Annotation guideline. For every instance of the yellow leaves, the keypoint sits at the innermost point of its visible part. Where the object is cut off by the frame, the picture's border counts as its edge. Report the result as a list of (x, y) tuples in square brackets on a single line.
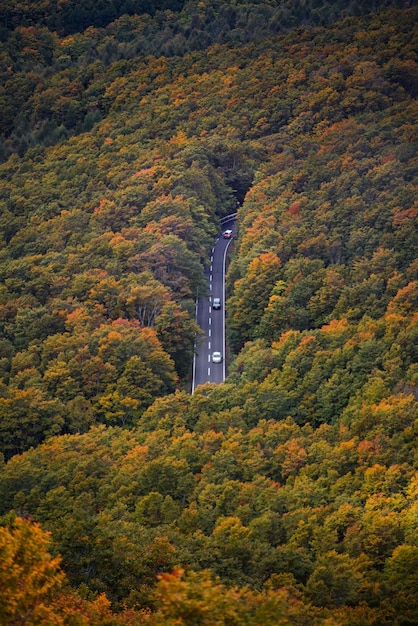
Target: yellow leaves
[(230, 532), (297, 77), (180, 138), (57, 372), (230, 75), (211, 441), (129, 404), (113, 336), (199, 598), (323, 98), (114, 90), (108, 403)]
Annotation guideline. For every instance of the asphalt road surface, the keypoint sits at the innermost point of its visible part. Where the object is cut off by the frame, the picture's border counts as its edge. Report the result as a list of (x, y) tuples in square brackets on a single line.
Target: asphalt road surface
[(210, 320)]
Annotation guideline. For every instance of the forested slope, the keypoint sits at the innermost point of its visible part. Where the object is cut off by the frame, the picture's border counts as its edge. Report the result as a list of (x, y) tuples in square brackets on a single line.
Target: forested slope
[(289, 492)]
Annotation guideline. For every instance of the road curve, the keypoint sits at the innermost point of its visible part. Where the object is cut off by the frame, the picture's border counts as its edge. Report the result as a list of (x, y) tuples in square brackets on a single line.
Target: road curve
[(210, 320)]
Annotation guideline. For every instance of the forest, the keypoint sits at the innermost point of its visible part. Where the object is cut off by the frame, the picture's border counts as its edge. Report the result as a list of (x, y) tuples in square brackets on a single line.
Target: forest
[(288, 494)]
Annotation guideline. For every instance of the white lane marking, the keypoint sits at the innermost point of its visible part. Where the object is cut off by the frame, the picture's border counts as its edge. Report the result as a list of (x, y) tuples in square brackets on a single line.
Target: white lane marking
[(210, 287), (210, 278), (210, 321), (211, 259), (211, 268), (208, 358), (210, 332), (210, 309), (209, 372)]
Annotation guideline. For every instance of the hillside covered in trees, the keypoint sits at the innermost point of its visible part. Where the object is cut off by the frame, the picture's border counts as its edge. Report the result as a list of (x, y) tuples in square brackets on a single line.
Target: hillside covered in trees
[(289, 493)]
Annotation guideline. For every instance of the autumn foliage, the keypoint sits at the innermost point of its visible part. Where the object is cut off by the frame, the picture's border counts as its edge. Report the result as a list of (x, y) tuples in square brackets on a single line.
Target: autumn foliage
[(287, 494)]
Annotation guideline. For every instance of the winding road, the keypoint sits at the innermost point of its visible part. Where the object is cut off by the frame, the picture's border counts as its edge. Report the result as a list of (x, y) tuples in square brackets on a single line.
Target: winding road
[(210, 320)]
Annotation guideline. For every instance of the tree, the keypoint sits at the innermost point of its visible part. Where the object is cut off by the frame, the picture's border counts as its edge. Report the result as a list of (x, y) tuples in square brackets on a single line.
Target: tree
[(29, 576), (177, 333), (401, 579), (173, 265), (26, 417), (33, 588), (135, 390), (145, 299), (336, 580), (199, 599), (251, 297)]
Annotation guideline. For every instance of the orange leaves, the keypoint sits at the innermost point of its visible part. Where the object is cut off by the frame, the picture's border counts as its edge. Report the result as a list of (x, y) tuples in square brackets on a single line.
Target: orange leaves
[(102, 204), (336, 326), (290, 457), (406, 300), (29, 576), (262, 225), (146, 171), (402, 217), (266, 263)]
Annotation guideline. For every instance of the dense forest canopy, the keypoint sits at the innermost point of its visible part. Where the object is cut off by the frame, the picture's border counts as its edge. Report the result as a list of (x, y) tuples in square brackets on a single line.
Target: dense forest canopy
[(287, 494)]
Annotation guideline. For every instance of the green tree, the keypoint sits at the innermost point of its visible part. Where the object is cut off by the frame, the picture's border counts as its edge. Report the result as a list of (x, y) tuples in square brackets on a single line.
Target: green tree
[(177, 333), (27, 416), (401, 578), (336, 580), (251, 297)]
